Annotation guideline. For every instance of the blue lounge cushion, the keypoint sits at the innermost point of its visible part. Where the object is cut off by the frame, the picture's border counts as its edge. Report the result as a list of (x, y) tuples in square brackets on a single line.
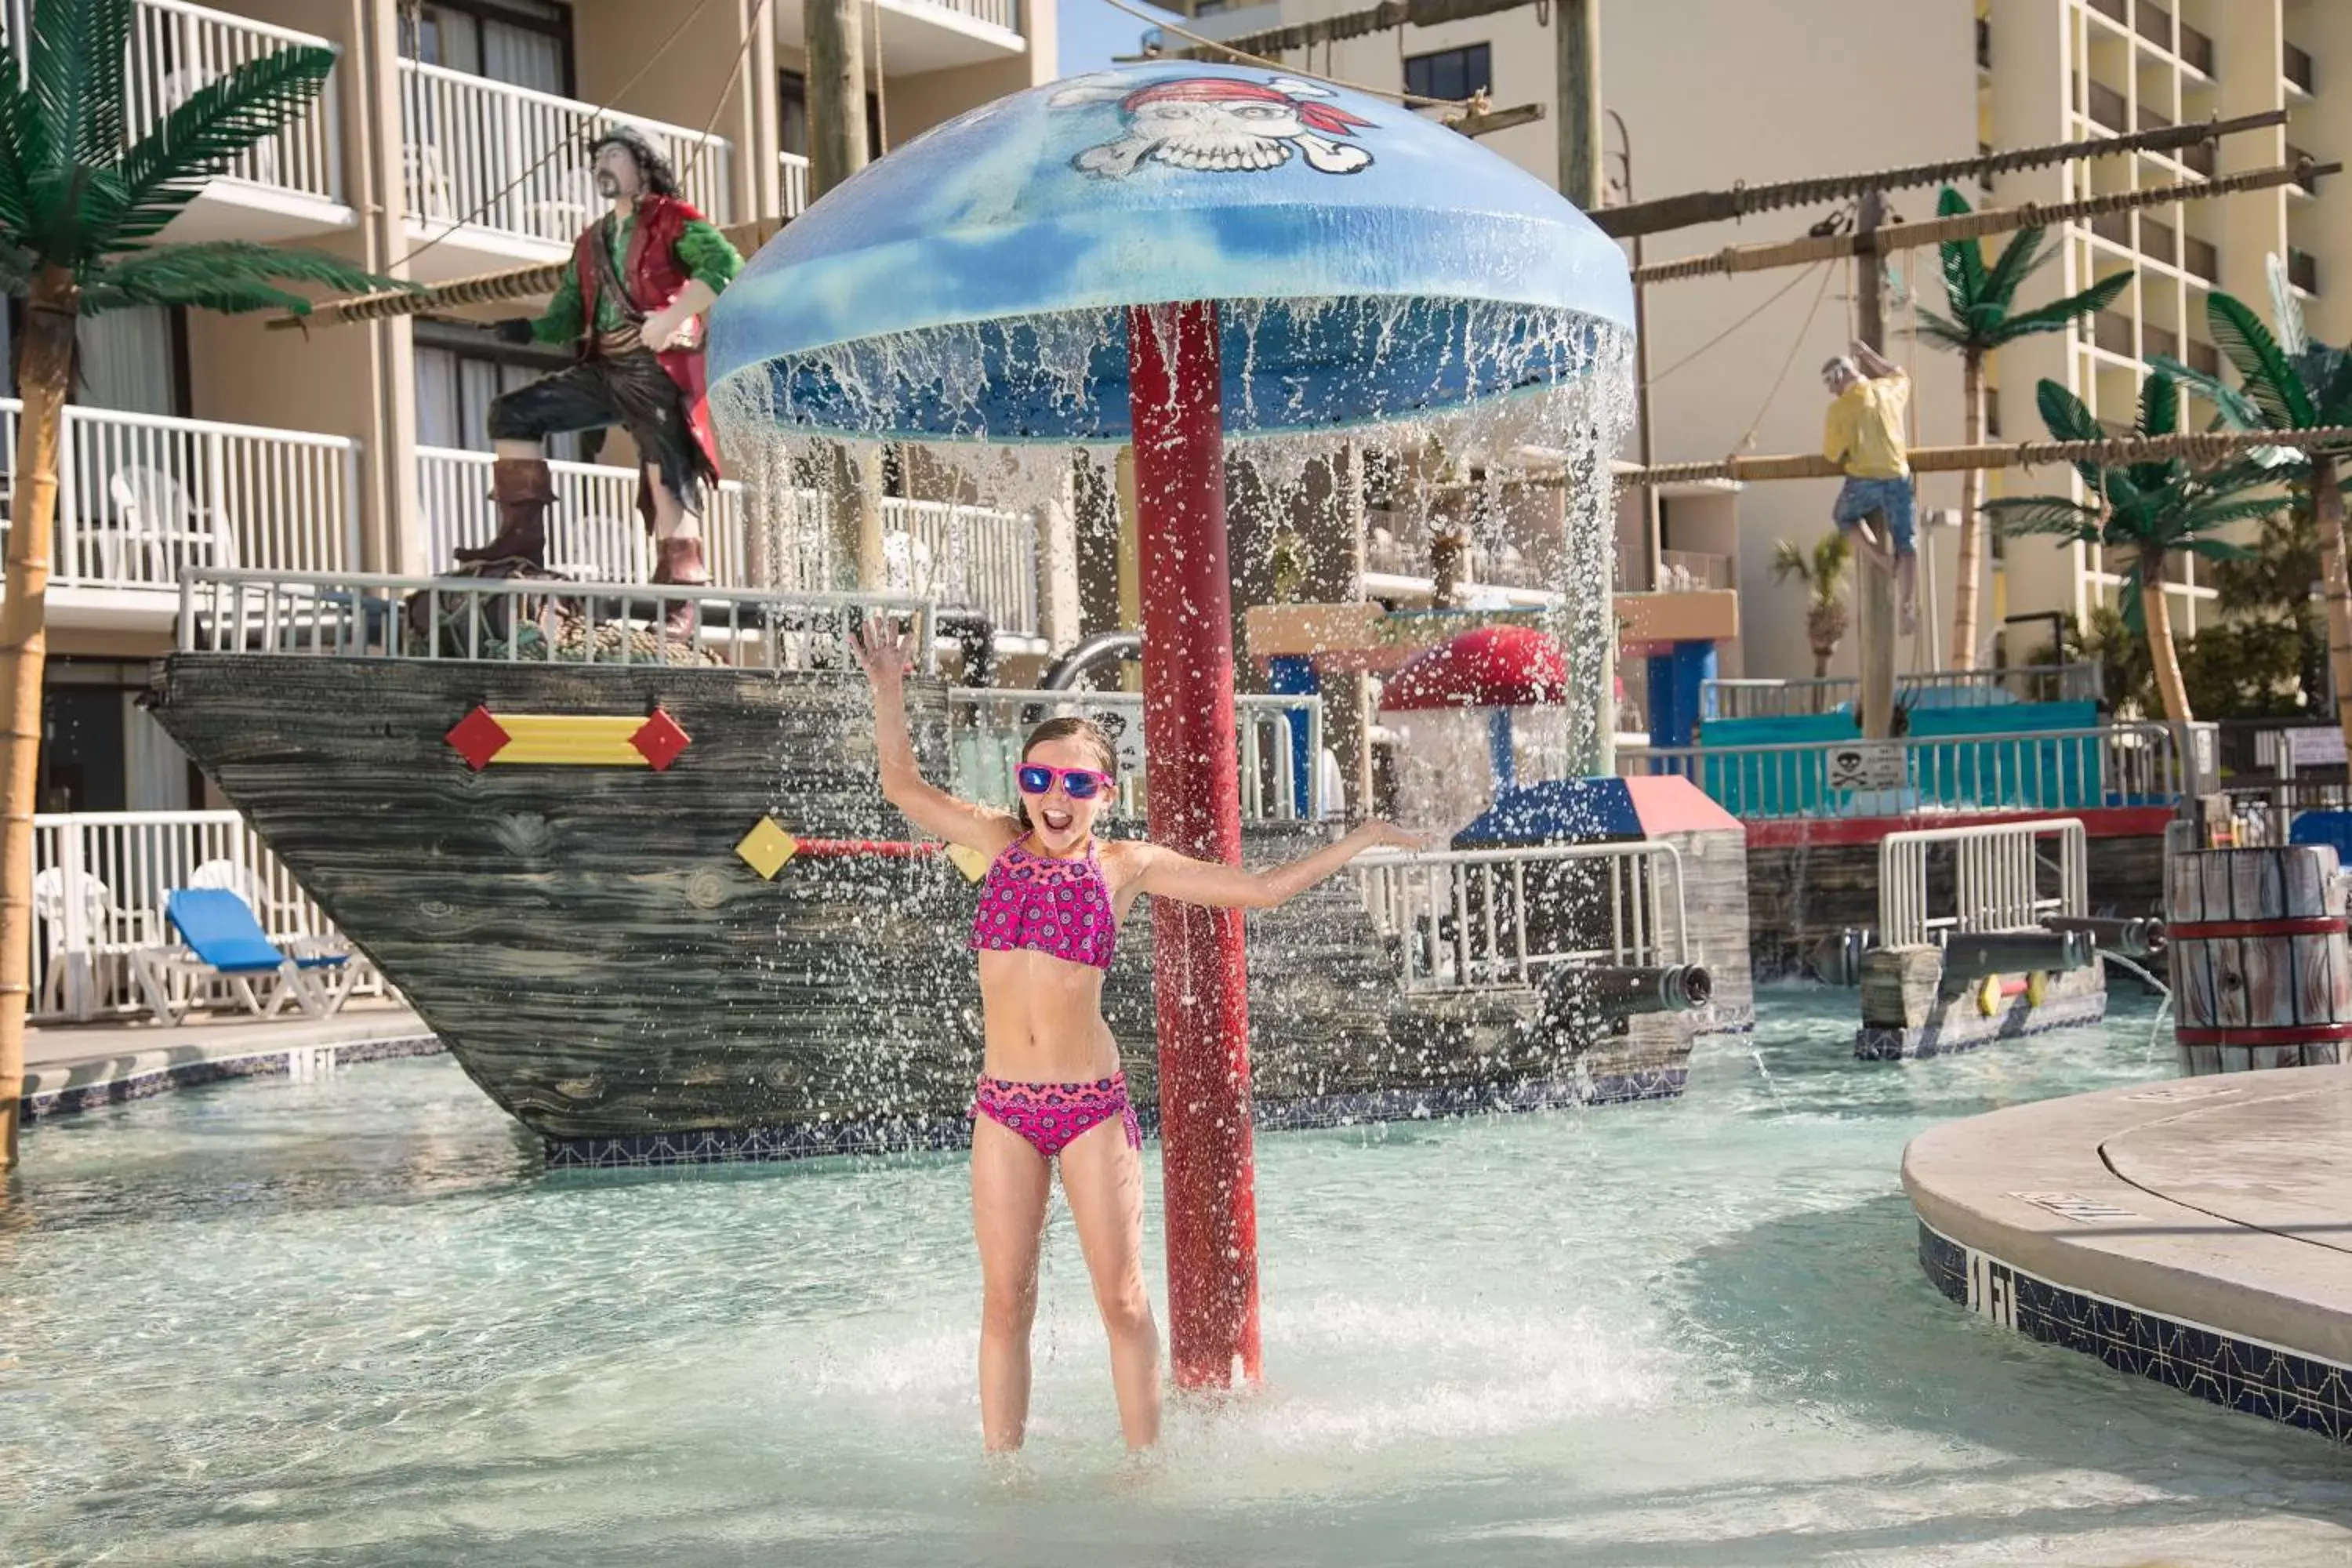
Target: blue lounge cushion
[(219, 928)]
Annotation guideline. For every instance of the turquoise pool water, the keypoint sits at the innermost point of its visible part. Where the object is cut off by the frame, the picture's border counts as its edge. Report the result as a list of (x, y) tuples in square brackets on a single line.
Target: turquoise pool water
[(348, 1321)]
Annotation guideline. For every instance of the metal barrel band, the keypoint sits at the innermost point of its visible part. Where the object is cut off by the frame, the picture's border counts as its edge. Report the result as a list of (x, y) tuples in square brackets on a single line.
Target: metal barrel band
[(2278, 1034), (2286, 925)]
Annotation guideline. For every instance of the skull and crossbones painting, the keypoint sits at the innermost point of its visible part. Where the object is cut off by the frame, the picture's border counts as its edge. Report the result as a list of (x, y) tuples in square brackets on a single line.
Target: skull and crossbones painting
[(1218, 124)]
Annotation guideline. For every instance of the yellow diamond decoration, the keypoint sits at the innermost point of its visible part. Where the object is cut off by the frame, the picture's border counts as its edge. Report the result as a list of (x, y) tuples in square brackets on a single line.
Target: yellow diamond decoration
[(967, 860), (766, 847)]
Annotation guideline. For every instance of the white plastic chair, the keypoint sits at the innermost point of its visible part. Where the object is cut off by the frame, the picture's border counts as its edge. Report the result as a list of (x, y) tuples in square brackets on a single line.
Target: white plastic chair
[(164, 523), (108, 930)]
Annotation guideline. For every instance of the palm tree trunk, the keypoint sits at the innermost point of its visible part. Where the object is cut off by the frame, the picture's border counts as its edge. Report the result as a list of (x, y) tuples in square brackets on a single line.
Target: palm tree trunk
[(2156, 605), (44, 369), (2327, 512), (1965, 607)]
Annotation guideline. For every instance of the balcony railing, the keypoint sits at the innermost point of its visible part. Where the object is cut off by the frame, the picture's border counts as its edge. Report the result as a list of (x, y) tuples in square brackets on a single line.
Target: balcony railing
[(501, 157), (1004, 13), (100, 879), (964, 557), (796, 183), (175, 49), (2050, 770), (142, 498)]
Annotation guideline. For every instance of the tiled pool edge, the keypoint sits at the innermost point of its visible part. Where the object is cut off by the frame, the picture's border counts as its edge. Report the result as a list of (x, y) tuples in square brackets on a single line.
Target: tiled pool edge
[(50, 1093), (2251, 1377)]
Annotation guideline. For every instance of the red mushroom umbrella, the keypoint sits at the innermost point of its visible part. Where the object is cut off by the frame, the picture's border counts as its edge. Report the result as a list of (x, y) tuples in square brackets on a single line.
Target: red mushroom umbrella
[(1501, 668)]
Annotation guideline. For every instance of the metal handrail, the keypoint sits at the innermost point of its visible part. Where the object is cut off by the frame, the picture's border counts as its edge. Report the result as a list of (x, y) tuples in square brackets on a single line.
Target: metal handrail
[(2139, 759), (362, 615), (989, 777), (1441, 907), (1996, 878)]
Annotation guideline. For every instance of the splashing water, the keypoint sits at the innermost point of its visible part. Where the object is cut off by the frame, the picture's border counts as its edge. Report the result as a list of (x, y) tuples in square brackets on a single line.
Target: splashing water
[(1000, 413)]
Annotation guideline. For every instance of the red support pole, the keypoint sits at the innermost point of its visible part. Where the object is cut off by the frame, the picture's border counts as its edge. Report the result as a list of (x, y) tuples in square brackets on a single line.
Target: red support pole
[(1194, 798)]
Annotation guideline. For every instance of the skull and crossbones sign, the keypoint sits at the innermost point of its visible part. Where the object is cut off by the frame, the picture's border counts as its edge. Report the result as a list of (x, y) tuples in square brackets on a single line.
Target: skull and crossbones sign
[(1215, 123)]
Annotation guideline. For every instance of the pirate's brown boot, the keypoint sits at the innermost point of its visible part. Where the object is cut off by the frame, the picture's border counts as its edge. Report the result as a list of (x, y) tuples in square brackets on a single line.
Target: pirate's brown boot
[(680, 563), (523, 489)]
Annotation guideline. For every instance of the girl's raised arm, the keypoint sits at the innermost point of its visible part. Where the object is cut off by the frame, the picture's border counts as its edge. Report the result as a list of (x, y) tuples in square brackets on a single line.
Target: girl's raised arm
[(883, 652), (1166, 874)]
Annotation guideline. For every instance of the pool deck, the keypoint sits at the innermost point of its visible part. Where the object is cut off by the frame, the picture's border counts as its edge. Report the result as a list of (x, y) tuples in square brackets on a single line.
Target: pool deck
[(81, 1067), (2197, 1231)]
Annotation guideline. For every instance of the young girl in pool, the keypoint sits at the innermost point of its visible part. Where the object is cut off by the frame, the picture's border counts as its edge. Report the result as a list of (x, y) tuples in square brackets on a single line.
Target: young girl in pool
[(1051, 1086)]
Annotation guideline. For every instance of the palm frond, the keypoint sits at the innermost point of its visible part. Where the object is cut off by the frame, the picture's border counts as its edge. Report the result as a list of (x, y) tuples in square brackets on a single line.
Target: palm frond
[(2061, 516), (230, 276), (74, 68), (2221, 513), (2024, 254), (2135, 614), (2270, 380), (19, 145), (1945, 332), (1789, 560), (219, 120), (1962, 259), (2060, 314), (16, 268), (2335, 395), (2286, 308), (2237, 410), (2217, 549)]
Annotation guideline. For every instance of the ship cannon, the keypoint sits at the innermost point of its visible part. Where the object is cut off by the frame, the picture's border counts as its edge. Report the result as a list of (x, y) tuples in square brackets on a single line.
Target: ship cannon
[(2129, 938), (1609, 991)]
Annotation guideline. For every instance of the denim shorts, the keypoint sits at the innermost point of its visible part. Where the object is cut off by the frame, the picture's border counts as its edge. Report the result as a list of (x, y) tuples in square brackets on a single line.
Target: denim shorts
[(1859, 497)]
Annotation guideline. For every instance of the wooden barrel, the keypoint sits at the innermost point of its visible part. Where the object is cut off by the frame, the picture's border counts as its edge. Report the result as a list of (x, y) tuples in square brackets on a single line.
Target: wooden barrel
[(2262, 976)]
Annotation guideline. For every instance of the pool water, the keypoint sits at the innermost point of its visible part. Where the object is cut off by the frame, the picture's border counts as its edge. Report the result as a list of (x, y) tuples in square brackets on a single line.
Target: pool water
[(348, 1320)]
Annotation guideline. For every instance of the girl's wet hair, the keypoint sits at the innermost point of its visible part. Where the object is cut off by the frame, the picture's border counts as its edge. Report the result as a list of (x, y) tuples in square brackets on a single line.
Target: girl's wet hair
[(1075, 728)]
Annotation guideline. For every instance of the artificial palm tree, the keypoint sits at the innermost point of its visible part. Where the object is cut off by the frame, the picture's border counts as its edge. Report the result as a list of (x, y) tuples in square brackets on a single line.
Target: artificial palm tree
[(2290, 383), (82, 206), (1822, 570), (2150, 511), (1984, 317)]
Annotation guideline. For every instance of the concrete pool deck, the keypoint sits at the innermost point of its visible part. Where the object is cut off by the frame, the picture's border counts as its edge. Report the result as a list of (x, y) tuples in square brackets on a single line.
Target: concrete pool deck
[(2198, 1233), (80, 1066)]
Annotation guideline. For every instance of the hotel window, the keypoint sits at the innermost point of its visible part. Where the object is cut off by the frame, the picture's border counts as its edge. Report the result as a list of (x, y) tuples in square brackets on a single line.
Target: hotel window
[(792, 121), (1452, 74), (460, 369), (523, 43)]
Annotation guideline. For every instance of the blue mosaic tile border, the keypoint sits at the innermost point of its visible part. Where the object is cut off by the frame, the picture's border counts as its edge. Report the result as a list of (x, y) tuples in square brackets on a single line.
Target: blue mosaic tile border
[(2239, 1374), (49, 1104), (1877, 1044), (913, 1135)]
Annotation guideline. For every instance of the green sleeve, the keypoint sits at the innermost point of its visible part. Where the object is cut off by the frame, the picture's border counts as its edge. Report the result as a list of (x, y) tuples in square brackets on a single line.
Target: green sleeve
[(563, 321), (708, 256)]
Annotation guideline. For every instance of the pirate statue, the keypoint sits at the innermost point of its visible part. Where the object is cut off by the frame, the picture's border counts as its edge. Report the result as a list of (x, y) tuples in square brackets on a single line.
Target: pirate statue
[(631, 300)]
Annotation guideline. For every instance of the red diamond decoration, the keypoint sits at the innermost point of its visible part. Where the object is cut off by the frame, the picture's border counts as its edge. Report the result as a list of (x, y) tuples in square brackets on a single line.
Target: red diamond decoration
[(660, 739), (477, 737)]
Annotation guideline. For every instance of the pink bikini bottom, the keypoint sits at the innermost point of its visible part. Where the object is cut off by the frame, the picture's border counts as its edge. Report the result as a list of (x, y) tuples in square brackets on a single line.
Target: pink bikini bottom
[(1050, 1115)]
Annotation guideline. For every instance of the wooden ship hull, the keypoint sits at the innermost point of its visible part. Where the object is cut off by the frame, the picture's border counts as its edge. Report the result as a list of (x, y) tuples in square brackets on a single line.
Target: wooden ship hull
[(606, 964)]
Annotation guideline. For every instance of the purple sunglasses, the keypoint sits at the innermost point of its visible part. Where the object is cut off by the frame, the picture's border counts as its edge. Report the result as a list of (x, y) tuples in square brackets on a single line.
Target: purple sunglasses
[(1078, 784)]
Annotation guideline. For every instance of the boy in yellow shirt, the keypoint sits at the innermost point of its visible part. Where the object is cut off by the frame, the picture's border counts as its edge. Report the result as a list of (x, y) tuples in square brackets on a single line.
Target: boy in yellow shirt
[(1864, 435)]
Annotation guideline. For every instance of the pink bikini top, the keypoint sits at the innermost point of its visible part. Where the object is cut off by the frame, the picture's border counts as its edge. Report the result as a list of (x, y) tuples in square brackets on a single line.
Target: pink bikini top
[(1060, 907)]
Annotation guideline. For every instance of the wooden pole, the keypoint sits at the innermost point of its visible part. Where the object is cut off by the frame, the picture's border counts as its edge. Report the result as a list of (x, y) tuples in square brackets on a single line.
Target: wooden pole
[(1874, 585), (834, 36), (1886, 240), (2201, 447), (1576, 26)]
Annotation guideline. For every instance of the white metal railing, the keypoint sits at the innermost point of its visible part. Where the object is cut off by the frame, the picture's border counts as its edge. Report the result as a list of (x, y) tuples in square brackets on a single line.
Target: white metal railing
[(2051, 770), (175, 49), (1772, 699), (1993, 877), (1004, 13), (498, 156), (356, 615), (989, 726), (962, 557), (796, 183), (142, 498), (99, 882), (1480, 919)]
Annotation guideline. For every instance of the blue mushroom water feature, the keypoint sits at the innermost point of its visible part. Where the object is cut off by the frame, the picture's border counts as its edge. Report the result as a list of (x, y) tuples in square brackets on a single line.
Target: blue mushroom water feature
[(1173, 256)]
